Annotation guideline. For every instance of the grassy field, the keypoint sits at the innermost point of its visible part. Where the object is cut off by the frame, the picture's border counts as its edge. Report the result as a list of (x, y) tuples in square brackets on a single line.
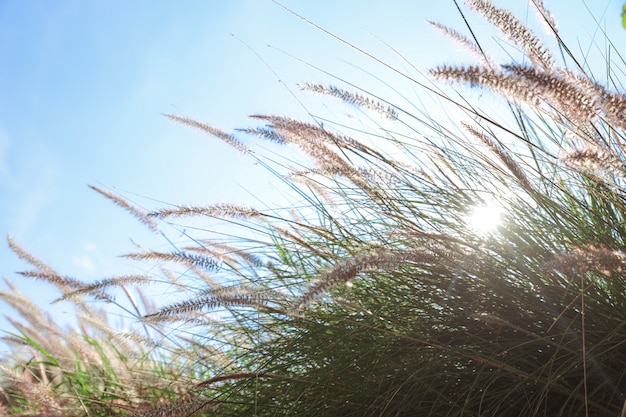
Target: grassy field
[(464, 262)]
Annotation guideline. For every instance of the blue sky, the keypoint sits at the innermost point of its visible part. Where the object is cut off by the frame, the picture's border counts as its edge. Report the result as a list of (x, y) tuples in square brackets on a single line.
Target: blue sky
[(83, 85)]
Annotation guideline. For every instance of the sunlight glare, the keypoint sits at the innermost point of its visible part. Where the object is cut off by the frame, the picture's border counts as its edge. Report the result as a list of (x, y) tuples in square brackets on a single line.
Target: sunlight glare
[(485, 218)]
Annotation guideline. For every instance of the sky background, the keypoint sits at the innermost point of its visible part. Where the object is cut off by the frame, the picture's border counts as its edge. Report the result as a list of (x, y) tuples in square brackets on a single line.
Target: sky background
[(84, 84)]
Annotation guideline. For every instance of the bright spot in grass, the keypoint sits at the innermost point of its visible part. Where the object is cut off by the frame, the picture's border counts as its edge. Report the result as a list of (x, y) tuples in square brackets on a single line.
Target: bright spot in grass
[(485, 218)]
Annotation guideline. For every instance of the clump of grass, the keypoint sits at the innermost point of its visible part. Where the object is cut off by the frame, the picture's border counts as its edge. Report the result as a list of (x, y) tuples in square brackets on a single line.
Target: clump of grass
[(374, 296), (98, 370)]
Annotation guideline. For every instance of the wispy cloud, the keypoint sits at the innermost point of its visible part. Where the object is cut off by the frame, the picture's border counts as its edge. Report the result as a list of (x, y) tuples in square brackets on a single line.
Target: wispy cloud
[(84, 263), (88, 263)]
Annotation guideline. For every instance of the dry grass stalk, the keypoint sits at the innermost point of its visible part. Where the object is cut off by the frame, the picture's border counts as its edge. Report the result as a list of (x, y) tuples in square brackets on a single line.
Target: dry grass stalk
[(603, 103), (228, 138), (114, 335), (201, 261), (317, 142), (125, 204), (347, 170), (516, 31), (310, 138), (503, 155), (25, 307), (355, 99), (35, 393), (614, 107), (347, 270), (594, 159), (174, 277), (466, 43), (561, 90), (148, 304), (265, 133), (14, 341), (46, 333), (320, 190), (232, 296), (220, 256), (97, 286), (297, 238), (64, 347), (65, 284), (589, 258), (75, 349), (224, 251), (577, 97), (484, 77), (546, 16), (28, 257), (195, 318), (215, 210), (61, 282), (203, 274), (300, 133)]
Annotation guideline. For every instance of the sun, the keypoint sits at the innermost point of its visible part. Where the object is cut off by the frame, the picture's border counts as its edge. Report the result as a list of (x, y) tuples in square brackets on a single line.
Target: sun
[(485, 218)]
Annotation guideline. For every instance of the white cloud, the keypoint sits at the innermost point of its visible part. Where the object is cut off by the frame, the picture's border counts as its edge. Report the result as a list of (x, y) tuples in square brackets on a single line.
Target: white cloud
[(85, 263)]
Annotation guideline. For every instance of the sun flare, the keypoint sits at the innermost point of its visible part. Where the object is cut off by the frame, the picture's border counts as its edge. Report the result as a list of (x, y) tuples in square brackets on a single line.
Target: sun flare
[(485, 218)]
